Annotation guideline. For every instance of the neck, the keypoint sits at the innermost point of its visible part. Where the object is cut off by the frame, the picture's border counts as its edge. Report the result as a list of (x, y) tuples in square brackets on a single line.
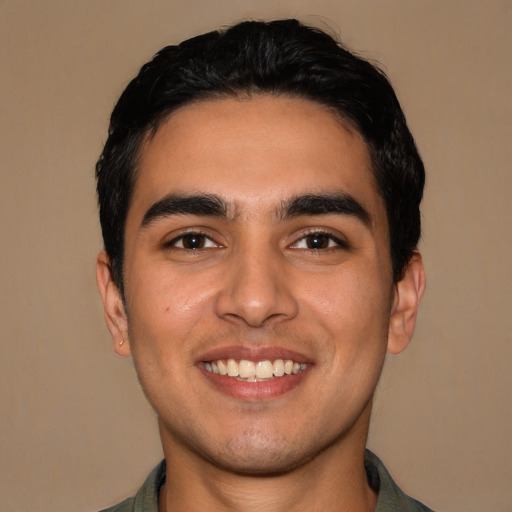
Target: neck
[(334, 479)]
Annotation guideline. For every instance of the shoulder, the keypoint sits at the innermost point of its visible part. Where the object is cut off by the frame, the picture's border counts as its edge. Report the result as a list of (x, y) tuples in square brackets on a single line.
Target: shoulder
[(391, 498), (146, 499), (124, 506)]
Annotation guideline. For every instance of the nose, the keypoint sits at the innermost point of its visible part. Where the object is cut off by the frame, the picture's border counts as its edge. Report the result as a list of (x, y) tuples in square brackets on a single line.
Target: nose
[(257, 289)]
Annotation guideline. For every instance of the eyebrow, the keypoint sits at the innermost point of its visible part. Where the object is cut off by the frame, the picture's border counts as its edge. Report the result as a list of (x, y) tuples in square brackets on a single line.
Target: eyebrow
[(325, 204), (209, 205), (174, 204)]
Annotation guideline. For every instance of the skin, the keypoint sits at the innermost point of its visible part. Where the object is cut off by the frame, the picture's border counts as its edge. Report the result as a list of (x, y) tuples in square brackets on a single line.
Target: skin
[(256, 285)]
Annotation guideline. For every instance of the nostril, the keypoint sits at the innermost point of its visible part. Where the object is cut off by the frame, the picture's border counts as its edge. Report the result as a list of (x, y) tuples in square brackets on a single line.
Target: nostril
[(256, 307)]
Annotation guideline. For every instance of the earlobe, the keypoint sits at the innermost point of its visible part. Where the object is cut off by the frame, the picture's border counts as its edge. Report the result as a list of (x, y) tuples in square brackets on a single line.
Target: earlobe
[(408, 293), (113, 306)]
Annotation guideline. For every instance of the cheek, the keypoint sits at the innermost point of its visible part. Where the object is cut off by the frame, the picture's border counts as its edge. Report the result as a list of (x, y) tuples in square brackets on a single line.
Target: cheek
[(164, 315), (164, 294), (164, 311), (356, 297), (352, 307)]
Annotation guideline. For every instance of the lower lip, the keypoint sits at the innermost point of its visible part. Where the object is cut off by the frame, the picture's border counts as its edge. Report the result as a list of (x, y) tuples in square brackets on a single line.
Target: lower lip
[(255, 391)]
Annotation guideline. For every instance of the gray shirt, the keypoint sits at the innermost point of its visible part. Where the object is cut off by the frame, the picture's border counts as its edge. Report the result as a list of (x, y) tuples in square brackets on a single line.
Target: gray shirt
[(390, 497)]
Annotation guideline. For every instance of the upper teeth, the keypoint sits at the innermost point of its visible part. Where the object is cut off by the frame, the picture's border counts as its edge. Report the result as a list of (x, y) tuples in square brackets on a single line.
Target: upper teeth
[(251, 371)]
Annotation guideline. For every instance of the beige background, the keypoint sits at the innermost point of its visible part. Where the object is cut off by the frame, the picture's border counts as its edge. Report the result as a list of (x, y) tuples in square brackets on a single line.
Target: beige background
[(76, 432)]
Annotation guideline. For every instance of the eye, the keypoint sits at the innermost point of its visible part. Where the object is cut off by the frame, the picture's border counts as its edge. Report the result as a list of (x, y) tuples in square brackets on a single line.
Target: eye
[(318, 240), (192, 242)]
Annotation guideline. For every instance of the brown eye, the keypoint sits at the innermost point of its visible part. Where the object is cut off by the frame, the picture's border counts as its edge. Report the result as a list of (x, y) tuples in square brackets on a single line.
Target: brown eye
[(317, 241), (192, 242)]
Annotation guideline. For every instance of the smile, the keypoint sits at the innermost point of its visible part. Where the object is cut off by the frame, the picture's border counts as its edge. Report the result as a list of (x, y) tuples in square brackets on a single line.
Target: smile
[(249, 371)]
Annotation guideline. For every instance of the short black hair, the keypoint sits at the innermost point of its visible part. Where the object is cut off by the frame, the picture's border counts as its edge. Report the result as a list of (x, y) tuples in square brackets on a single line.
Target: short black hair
[(281, 57)]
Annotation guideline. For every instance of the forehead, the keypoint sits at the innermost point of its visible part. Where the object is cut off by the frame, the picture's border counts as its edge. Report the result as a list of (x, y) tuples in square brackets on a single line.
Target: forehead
[(254, 152)]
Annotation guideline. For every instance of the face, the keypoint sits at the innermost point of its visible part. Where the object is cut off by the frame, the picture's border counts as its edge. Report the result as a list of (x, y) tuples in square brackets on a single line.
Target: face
[(256, 245)]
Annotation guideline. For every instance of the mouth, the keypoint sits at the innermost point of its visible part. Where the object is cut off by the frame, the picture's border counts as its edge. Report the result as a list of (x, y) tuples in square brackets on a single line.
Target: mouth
[(254, 374), (245, 370)]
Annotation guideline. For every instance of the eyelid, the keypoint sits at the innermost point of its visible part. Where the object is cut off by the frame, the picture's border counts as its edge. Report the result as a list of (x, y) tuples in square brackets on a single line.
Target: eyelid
[(169, 244), (340, 241)]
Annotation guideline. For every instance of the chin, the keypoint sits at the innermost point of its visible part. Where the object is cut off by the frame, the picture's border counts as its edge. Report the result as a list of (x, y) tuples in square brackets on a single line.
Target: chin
[(271, 462), (256, 453)]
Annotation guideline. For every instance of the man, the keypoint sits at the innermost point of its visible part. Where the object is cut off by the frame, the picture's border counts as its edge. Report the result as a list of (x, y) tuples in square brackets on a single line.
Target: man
[(259, 200)]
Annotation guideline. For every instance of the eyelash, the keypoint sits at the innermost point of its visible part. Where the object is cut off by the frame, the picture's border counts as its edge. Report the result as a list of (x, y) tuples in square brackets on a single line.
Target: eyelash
[(205, 238), (340, 244)]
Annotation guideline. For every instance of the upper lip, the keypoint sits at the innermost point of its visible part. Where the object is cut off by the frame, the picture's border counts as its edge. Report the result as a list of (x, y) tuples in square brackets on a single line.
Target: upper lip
[(252, 353)]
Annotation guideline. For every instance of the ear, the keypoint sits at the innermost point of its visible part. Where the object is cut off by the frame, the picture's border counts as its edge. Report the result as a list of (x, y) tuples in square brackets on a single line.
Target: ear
[(113, 306), (408, 292)]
